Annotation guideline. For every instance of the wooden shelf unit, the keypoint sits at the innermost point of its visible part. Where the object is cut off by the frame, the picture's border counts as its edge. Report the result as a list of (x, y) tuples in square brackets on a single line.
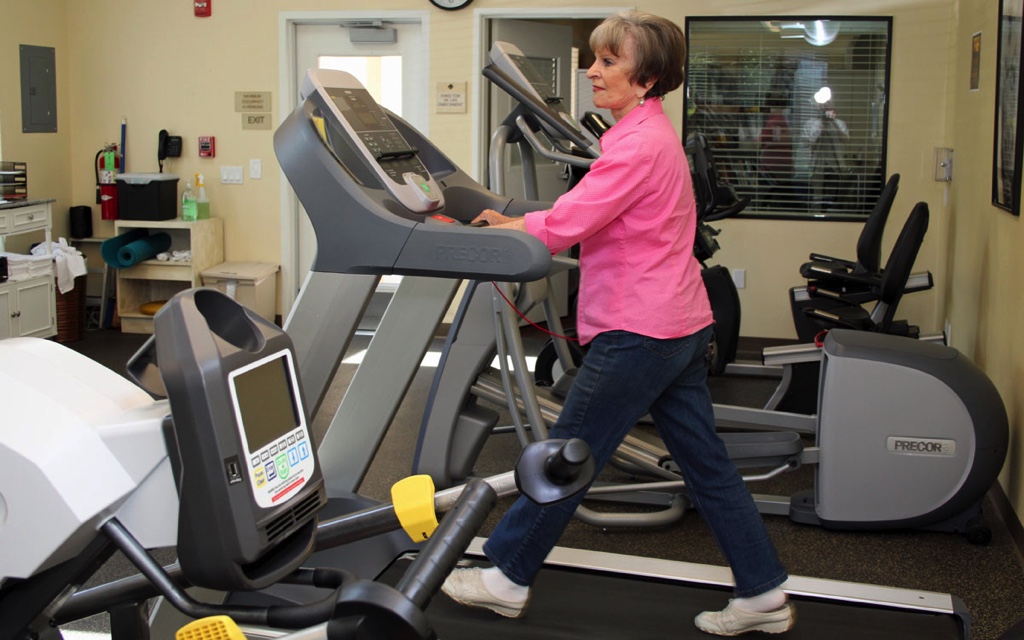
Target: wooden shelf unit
[(153, 280)]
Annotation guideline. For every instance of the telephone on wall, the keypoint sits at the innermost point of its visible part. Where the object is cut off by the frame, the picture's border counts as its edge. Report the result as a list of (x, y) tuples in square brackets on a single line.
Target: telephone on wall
[(168, 146)]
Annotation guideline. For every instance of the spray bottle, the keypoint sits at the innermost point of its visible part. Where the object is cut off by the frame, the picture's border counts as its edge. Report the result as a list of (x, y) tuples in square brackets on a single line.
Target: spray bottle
[(202, 202), (188, 204)]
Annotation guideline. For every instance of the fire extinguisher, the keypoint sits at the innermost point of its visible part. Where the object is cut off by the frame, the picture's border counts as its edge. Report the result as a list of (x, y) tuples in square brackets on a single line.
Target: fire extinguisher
[(107, 163)]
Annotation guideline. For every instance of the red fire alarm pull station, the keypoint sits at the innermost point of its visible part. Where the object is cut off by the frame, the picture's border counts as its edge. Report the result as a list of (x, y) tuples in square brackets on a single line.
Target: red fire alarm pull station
[(203, 8), (207, 147)]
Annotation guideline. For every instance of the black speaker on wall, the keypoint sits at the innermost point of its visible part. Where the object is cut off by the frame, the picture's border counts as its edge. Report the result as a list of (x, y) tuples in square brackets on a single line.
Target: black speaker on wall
[(80, 222)]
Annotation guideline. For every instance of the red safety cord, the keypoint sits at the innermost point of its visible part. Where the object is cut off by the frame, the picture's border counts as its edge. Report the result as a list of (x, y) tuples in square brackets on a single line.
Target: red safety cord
[(530, 322)]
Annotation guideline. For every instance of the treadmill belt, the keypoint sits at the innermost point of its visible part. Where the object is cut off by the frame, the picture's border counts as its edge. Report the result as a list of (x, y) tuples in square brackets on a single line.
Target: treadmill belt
[(591, 605)]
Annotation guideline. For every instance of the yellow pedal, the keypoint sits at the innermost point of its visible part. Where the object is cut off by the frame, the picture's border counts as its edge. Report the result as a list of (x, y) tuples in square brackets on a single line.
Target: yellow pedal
[(413, 499), (212, 628)]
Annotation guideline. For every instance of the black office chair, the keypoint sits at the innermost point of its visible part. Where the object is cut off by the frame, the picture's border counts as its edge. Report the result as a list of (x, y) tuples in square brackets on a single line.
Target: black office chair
[(890, 284), (869, 243)]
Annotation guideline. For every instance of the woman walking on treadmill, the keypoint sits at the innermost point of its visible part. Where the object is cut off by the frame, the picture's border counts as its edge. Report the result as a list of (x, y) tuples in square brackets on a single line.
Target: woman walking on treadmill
[(645, 313)]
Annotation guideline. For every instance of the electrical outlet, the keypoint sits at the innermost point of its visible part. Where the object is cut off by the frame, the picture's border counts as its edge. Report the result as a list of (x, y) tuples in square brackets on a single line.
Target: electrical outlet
[(739, 278), (231, 175), (255, 169)]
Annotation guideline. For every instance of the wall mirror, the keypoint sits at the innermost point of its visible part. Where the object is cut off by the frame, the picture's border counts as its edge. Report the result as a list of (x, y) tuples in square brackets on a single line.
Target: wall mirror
[(795, 109)]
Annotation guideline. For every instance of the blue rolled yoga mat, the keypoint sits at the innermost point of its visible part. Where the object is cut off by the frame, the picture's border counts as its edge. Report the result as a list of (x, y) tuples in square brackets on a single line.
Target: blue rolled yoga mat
[(112, 246), (143, 249), (132, 247)]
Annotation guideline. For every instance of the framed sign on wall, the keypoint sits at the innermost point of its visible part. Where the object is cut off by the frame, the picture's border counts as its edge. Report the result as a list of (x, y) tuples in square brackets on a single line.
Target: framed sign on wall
[(1008, 150)]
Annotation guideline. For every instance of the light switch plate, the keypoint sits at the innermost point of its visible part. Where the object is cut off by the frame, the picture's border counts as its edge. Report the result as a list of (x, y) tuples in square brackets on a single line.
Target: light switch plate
[(231, 175)]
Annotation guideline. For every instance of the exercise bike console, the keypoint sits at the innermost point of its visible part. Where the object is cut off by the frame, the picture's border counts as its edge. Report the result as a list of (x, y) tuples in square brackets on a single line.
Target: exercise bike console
[(243, 455)]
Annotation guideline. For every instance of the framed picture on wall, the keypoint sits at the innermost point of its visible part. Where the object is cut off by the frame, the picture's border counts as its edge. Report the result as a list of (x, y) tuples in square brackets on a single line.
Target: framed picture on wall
[(1008, 150)]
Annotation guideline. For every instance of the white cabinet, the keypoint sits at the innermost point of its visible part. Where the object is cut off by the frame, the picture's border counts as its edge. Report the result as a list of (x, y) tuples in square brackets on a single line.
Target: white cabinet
[(27, 305), (29, 308)]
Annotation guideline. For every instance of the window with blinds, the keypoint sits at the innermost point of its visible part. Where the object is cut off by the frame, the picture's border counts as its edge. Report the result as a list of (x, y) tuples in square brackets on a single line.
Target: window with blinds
[(795, 109)]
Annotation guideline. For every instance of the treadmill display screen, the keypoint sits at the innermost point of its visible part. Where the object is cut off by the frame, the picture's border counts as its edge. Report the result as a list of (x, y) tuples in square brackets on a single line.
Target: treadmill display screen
[(371, 142), (383, 142), (265, 402), (359, 108)]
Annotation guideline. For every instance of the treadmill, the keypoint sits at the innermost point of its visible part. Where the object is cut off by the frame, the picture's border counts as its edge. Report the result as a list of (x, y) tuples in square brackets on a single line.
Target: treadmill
[(363, 173)]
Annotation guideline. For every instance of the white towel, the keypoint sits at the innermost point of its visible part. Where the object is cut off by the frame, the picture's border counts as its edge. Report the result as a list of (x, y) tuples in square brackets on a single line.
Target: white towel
[(69, 261)]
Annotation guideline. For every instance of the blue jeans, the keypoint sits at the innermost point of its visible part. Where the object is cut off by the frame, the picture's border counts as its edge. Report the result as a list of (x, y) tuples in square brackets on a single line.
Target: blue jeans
[(623, 377)]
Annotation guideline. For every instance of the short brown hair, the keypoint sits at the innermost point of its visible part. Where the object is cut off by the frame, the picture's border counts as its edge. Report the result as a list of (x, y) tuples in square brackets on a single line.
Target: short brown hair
[(659, 48)]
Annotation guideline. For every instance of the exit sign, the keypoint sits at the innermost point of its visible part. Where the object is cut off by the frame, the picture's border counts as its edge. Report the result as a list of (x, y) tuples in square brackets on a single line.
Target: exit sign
[(256, 121)]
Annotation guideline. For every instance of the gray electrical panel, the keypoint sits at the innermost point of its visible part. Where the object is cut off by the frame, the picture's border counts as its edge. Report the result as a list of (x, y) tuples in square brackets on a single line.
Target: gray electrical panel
[(38, 89)]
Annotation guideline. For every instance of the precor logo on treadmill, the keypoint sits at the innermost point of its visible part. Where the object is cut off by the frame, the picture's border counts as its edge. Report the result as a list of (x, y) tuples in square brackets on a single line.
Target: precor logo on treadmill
[(492, 255), (932, 446)]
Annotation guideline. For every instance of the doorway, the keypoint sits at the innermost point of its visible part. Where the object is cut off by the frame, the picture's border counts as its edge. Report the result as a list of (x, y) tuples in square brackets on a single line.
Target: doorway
[(386, 52)]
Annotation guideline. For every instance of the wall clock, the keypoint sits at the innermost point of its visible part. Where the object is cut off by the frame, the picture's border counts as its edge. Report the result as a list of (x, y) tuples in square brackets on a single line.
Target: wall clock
[(451, 5)]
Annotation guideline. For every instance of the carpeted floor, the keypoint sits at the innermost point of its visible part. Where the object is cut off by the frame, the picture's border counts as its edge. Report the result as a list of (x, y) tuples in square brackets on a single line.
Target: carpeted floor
[(989, 579)]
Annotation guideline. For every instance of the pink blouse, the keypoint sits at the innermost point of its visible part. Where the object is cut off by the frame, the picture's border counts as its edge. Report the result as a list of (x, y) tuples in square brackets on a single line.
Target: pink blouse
[(634, 216)]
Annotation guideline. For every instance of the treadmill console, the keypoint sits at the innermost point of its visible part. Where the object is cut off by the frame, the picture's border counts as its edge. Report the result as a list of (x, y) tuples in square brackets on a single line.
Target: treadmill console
[(384, 199), (370, 131)]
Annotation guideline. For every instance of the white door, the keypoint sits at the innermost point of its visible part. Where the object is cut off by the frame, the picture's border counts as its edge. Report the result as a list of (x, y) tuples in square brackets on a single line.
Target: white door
[(395, 74), (549, 47)]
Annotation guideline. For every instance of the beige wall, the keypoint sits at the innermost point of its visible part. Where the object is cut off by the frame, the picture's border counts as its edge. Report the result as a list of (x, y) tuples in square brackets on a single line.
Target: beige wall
[(152, 62), (984, 244), (48, 155)]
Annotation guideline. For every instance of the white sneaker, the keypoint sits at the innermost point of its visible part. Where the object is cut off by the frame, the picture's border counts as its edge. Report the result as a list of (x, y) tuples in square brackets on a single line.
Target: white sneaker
[(466, 586), (733, 621)]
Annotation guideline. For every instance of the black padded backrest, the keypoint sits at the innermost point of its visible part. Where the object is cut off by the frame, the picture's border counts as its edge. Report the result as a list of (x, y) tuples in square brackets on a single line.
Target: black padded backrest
[(869, 244), (716, 199), (901, 261), (704, 174)]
